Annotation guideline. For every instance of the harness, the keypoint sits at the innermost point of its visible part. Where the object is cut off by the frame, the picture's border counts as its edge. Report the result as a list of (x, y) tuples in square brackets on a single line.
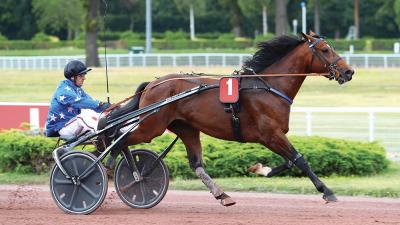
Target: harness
[(257, 84), (331, 67)]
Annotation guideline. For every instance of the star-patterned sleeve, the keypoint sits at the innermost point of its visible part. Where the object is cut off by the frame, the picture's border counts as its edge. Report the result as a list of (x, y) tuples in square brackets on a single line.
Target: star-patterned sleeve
[(66, 96)]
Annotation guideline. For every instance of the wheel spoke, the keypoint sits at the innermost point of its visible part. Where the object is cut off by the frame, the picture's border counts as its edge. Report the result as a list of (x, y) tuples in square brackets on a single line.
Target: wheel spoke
[(126, 187), (74, 194), (62, 181), (152, 179), (87, 190), (88, 173), (142, 191), (75, 168)]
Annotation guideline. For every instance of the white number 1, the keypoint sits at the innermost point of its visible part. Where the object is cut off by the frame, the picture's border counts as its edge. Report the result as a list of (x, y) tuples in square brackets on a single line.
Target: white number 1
[(229, 83)]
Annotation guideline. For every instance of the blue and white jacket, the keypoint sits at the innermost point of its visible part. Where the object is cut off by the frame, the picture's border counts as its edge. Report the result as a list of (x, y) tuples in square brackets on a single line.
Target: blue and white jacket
[(66, 103)]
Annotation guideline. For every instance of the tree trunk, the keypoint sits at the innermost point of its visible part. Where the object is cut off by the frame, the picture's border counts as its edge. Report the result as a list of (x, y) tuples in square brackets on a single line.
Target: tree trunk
[(356, 19), (265, 20), (236, 19), (70, 34), (192, 34), (317, 26), (281, 21), (337, 34), (132, 23), (92, 58)]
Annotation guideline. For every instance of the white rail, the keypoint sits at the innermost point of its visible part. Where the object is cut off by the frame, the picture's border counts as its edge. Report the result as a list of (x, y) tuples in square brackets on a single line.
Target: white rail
[(181, 59), (359, 123)]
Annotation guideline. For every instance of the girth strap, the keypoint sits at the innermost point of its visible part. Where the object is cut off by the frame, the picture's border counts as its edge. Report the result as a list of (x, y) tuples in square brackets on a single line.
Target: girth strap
[(234, 108)]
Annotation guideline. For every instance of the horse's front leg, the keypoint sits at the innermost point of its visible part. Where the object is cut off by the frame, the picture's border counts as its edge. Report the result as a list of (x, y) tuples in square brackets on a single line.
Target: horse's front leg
[(191, 139), (279, 144)]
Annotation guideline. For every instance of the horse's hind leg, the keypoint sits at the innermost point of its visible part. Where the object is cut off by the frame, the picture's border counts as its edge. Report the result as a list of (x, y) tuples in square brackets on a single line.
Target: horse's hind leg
[(279, 144), (191, 139)]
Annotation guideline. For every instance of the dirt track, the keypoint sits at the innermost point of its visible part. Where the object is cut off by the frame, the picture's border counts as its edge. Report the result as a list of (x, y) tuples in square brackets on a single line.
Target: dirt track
[(34, 205)]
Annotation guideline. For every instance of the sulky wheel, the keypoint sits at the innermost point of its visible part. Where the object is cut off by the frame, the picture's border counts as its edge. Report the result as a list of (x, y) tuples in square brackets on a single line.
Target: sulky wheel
[(79, 194), (148, 192)]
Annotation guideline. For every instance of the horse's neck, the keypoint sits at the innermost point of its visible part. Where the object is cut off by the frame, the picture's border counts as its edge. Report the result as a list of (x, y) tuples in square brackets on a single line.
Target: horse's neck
[(295, 62)]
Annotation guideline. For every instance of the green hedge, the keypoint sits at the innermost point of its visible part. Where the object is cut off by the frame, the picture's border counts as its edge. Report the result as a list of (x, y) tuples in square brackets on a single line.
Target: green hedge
[(344, 45), (327, 156), (25, 154), (384, 44)]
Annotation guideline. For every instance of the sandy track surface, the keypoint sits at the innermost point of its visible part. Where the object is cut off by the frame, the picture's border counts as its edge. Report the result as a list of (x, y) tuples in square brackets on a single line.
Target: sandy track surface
[(33, 205)]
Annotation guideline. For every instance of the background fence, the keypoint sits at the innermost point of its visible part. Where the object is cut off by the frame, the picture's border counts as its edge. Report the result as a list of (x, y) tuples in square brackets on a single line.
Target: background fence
[(358, 123), (181, 59)]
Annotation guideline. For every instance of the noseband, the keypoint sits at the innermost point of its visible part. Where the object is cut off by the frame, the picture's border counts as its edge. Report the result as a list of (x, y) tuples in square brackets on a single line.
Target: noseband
[(331, 67)]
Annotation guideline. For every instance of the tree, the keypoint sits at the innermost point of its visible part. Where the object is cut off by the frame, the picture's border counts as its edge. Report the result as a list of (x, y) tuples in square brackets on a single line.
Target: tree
[(397, 11), (192, 6), (252, 7), (235, 15), (131, 6), (16, 19), (59, 14), (317, 20), (281, 19), (91, 28), (390, 8)]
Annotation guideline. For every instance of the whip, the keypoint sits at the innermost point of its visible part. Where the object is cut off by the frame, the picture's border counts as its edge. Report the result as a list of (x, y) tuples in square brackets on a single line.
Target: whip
[(105, 48)]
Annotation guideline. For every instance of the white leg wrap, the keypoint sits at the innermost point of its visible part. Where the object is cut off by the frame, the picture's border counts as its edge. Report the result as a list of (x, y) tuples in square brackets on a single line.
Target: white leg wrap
[(259, 169)]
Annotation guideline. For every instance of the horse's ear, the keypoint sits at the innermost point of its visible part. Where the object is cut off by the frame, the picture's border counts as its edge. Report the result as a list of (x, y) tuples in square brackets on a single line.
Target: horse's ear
[(312, 34), (306, 37)]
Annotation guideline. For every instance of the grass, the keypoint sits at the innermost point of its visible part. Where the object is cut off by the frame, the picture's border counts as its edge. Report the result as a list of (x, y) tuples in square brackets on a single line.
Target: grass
[(383, 185), (372, 87)]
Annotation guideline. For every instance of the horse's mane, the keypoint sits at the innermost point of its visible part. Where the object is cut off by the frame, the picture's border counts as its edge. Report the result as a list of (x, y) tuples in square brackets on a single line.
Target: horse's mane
[(271, 51)]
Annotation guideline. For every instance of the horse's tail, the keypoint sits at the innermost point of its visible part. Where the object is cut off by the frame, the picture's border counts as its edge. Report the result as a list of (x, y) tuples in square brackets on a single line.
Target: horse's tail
[(136, 99)]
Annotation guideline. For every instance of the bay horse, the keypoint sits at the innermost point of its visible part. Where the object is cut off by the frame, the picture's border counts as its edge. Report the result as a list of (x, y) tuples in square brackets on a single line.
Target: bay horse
[(264, 115)]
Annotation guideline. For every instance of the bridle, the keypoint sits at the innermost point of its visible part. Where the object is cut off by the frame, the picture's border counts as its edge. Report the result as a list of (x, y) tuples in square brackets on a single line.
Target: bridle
[(331, 67)]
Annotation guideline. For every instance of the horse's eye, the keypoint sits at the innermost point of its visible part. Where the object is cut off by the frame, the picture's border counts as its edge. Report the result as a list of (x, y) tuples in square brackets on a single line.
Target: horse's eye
[(325, 50)]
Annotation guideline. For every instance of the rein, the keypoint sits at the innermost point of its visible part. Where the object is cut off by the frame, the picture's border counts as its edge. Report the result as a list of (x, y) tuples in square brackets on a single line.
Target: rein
[(215, 76)]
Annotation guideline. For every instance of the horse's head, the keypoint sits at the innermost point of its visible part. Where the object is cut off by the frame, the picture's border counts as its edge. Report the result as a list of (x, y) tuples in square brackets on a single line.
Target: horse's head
[(325, 59)]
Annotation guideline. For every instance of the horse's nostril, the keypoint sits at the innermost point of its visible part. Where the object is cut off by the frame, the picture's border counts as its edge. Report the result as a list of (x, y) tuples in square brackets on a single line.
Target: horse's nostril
[(349, 73)]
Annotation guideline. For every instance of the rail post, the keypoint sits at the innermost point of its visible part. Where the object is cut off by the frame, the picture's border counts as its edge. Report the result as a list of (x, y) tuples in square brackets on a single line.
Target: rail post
[(309, 123), (371, 121), (34, 118), (385, 61)]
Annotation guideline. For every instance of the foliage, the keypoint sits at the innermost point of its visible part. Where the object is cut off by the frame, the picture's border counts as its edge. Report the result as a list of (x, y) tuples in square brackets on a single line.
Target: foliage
[(127, 35), (260, 38), (20, 152), (327, 156), (59, 14), (3, 38), (179, 35), (384, 44), (23, 153), (184, 5), (343, 45), (226, 36), (41, 37)]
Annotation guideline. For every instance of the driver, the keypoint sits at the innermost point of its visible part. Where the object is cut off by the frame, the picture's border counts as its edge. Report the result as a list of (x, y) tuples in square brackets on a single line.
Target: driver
[(72, 111)]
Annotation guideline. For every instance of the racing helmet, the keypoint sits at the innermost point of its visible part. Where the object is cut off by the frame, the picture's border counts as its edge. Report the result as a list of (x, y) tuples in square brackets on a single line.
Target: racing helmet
[(75, 68)]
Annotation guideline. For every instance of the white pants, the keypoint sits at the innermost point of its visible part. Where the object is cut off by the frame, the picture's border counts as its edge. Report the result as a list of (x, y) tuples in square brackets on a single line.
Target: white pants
[(87, 120)]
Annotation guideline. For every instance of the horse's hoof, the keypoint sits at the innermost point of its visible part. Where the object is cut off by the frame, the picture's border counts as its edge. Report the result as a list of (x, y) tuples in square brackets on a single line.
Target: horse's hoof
[(259, 169), (330, 198), (227, 201)]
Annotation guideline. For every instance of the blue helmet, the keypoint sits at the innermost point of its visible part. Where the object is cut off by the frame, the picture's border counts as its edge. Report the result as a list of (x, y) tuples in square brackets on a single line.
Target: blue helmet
[(75, 68)]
